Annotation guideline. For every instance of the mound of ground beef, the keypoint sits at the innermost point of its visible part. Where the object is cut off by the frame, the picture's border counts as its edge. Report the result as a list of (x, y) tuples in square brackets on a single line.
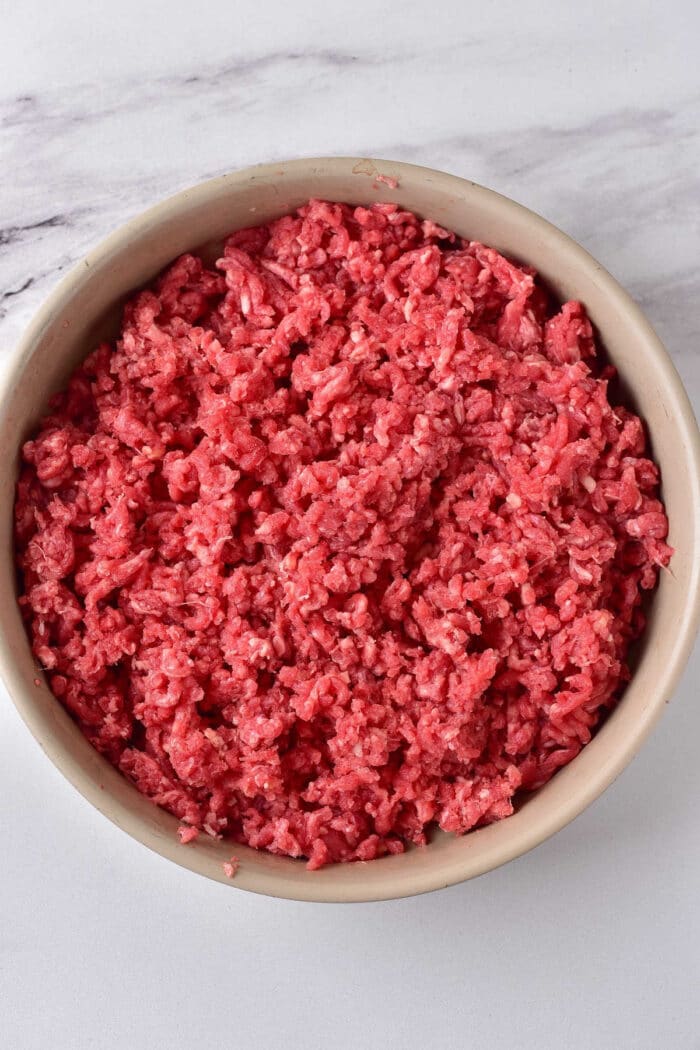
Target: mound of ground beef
[(342, 539)]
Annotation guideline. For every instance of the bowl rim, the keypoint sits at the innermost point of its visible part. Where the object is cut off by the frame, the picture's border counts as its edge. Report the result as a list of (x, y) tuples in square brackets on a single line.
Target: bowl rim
[(669, 672)]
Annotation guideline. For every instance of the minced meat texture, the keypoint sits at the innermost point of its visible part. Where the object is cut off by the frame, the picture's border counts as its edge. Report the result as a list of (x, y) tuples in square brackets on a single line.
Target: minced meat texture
[(342, 539)]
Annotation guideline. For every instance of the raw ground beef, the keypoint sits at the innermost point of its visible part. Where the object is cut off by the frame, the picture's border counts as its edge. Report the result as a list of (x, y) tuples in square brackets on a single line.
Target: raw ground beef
[(231, 867), (342, 539)]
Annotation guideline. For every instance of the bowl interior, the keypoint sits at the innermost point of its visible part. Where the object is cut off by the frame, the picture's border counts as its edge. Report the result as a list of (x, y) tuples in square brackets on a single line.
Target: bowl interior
[(86, 308)]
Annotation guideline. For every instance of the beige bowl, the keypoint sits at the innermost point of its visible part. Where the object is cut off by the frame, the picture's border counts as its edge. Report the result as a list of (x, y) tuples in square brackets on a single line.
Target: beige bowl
[(85, 307)]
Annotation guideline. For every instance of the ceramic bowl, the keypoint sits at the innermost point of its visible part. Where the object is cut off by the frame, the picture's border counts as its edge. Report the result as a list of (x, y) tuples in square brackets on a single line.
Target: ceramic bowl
[(85, 308)]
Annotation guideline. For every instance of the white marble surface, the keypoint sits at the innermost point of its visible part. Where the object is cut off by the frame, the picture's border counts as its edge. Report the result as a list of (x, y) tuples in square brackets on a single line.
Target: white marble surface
[(588, 113)]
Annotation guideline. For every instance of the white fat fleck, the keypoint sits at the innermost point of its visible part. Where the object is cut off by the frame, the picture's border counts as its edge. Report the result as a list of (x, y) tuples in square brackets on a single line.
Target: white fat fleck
[(588, 483)]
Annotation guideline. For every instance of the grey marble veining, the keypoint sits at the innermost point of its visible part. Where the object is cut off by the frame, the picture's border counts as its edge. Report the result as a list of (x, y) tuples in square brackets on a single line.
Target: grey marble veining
[(612, 162), (589, 113)]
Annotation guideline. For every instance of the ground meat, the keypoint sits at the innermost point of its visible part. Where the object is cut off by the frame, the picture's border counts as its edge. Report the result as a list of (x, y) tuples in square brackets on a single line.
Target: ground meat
[(231, 867), (342, 539), (187, 834)]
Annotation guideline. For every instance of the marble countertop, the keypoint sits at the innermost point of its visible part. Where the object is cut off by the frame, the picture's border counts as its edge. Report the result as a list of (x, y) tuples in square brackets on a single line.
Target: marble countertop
[(590, 115)]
